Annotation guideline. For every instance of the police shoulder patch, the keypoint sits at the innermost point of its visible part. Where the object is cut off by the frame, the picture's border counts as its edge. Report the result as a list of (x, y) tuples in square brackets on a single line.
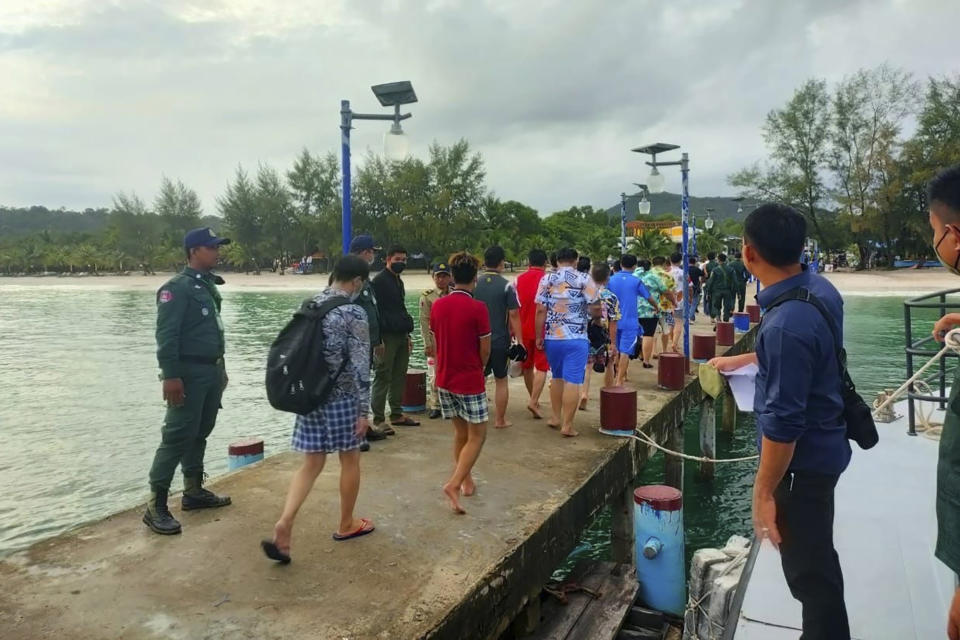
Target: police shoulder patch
[(165, 296)]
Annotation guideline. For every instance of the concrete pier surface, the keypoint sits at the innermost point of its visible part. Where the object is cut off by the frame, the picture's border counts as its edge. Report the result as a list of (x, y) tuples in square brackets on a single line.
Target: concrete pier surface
[(424, 573)]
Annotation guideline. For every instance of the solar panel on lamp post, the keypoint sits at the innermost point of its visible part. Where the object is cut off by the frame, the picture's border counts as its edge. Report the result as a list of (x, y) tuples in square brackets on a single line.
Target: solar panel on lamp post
[(655, 184), (395, 143)]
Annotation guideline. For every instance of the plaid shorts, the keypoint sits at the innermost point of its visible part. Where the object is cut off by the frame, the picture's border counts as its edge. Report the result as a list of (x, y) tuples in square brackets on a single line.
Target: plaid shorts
[(469, 407), (329, 428)]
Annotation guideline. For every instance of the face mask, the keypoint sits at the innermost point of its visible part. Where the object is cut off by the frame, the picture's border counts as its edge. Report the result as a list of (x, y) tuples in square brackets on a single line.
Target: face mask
[(357, 290), (398, 267), (952, 269)]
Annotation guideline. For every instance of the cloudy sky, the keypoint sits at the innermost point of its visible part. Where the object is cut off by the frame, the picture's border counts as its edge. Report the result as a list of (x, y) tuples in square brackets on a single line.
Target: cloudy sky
[(102, 96)]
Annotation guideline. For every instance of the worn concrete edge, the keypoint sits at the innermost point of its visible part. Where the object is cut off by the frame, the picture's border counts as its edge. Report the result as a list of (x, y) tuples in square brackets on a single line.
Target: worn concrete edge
[(496, 599)]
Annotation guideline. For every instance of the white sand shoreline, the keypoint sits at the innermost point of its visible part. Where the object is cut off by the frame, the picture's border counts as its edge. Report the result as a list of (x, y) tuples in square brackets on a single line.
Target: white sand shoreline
[(900, 283)]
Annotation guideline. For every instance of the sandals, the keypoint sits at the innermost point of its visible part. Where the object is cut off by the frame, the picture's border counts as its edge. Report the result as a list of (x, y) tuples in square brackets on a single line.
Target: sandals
[(273, 552), (405, 422), (364, 529)]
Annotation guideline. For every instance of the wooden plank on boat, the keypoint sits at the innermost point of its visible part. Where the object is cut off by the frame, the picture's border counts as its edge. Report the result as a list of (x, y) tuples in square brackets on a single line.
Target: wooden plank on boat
[(586, 617)]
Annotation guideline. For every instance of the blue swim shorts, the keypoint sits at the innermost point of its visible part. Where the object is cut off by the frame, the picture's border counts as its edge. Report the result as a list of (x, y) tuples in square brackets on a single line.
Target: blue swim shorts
[(568, 359), (627, 338)]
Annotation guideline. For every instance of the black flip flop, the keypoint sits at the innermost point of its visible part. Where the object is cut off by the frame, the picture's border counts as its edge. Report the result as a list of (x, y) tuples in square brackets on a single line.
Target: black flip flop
[(405, 422), (366, 528), (273, 552)]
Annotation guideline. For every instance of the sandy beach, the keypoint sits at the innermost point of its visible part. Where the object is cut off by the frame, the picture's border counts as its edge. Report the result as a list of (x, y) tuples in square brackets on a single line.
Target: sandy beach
[(903, 282)]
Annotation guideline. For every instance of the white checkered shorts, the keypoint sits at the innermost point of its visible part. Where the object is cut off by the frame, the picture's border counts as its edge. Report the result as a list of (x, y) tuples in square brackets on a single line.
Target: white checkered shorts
[(328, 429), (469, 407)]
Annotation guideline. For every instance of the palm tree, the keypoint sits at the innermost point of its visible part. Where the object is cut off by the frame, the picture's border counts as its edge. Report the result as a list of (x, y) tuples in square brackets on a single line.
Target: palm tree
[(649, 243)]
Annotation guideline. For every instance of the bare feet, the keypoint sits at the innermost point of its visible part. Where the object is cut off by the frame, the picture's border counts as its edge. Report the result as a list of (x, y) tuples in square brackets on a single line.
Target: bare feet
[(554, 425), (503, 426), (468, 487), (535, 410), (282, 532), (583, 403), (569, 433), (453, 496)]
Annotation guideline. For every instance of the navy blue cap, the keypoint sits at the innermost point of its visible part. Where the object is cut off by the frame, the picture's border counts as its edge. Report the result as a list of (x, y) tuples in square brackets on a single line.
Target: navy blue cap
[(203, 237), (441, 267), (363, 243)]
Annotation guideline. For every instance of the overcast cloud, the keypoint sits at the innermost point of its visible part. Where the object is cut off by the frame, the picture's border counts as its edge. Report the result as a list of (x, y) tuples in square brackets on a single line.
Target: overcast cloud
[(102, 96)]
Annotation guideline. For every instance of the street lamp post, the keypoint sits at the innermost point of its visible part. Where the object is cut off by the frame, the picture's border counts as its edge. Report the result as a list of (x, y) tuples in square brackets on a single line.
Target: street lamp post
[(623, 223), (392, 94), (655, 184)]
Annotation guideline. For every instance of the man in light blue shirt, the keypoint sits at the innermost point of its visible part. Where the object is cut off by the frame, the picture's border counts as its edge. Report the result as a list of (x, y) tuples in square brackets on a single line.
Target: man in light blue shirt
[(628, 289)]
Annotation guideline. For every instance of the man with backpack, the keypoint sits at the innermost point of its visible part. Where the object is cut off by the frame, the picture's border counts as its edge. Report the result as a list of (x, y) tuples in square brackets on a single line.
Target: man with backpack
[(800, 408), (339, 424)]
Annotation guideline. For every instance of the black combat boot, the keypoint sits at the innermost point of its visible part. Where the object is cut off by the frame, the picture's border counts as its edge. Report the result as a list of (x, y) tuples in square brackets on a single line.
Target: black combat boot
[(196, 497), (158, 517)]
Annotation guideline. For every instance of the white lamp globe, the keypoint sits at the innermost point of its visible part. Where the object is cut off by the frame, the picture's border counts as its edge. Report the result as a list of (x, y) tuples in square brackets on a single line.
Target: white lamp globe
[(655, 183), (643, 208), (708, 223), (739, 209), (396, 145)]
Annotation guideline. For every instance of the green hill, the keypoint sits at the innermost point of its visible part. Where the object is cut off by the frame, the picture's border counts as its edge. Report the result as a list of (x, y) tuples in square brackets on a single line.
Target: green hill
[(20, 221), (669, 203)]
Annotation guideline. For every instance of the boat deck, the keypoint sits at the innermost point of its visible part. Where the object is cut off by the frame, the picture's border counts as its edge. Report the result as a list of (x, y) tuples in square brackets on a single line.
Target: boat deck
[(885, 533)]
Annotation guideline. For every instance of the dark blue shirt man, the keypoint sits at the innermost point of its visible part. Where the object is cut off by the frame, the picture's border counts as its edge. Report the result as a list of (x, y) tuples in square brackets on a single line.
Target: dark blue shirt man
[(803, 444)]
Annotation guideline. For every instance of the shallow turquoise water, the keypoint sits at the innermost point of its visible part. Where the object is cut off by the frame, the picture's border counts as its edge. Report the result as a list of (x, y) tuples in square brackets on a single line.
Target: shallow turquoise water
[(82, 409)]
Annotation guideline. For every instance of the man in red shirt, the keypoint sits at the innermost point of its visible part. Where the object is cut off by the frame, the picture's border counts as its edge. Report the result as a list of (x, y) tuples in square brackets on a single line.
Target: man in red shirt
[(461, 332), (535, 366)]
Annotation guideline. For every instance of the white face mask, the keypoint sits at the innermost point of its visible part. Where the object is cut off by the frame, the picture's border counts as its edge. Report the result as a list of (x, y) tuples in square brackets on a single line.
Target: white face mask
[(357, 290)]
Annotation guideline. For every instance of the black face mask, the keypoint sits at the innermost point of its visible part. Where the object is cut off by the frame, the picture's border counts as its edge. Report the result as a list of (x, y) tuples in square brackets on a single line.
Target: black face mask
[(398, 267)]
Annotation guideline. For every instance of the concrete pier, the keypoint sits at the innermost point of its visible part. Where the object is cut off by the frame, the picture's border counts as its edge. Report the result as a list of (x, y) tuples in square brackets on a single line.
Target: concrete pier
[(424, 573)]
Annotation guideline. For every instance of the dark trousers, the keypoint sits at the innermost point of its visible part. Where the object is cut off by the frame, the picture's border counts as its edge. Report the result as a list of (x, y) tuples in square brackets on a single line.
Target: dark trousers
[(741, 298), (810, 563), (186, 428), (390, 377)]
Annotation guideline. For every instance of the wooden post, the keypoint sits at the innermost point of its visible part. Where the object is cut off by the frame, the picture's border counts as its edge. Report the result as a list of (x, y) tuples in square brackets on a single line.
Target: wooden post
[(708, 435), (527, 622), (621, 527), (672, 465), (729, 421)]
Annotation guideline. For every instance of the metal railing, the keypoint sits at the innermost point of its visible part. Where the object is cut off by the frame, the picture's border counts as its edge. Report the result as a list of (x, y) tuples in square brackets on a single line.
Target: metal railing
[(925, 348)]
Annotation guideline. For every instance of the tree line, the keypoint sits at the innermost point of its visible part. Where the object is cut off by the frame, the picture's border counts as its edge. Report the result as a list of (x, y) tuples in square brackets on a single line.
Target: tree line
[(839, 155), (433, 206)]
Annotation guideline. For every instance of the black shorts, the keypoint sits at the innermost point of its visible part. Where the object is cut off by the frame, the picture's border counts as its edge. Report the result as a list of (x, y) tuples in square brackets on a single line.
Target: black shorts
[(497, 362), (649, 326)]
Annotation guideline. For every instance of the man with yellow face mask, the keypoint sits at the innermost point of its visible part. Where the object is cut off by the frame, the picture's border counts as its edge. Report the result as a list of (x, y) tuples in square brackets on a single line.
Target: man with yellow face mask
[(944, 199)]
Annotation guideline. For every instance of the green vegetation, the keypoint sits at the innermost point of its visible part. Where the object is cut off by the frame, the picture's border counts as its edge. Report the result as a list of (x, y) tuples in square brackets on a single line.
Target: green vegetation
[(839, 156), (434, 206)]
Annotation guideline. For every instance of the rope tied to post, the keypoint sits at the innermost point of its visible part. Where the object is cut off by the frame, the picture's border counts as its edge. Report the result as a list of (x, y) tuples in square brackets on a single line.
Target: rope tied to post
[(951, 342)]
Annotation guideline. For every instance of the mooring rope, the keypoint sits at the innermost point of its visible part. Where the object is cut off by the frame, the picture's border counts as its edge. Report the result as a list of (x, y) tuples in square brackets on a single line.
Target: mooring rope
[(951, 342), (642, 437)]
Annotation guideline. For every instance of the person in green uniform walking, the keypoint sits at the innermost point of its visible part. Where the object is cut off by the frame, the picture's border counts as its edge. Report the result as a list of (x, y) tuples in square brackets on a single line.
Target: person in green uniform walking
[(944, 199), (708, 268), (740, 278), (720, 287), (190, 348)]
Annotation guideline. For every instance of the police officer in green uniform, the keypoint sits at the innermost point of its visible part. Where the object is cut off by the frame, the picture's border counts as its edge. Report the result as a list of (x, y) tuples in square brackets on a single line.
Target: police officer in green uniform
[(364, 246), (190, 349), (944, 199), (741, 276), (441, 278), (708, 268), (720, 287)]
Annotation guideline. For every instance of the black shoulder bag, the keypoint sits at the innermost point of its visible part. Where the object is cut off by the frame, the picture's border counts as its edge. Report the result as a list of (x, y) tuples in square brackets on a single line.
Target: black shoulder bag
[(856, 413)]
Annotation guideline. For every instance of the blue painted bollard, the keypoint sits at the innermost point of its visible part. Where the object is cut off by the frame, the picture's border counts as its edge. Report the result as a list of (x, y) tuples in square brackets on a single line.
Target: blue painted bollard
[(741, 322), (658, 527), (244, 452)]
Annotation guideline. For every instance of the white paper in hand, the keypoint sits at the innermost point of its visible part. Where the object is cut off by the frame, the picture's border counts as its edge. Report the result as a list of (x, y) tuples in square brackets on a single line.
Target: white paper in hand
[(743, 384)]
